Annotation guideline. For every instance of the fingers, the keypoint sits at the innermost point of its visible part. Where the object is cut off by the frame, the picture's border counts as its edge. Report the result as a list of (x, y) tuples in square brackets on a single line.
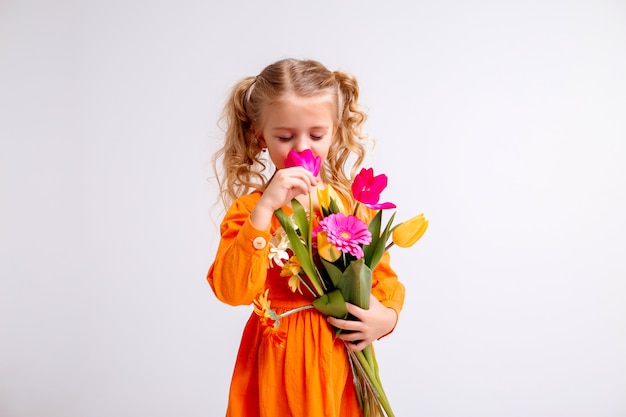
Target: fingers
[(356, 311), (287, 184), (355, 333), (349, 325), (356, 340), (297, 173), (369, 325), (357, 347)]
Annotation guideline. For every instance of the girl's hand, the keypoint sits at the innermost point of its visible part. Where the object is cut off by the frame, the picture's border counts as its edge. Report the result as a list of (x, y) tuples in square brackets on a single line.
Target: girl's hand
[(285, 185), (373, 323)]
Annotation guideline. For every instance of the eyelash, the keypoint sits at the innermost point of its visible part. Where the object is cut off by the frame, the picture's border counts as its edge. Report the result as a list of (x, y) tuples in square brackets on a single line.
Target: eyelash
[(285, 139)]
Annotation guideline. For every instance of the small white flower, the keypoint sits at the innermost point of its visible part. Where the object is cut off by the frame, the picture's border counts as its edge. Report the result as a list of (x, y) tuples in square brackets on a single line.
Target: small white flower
[(279, 243)]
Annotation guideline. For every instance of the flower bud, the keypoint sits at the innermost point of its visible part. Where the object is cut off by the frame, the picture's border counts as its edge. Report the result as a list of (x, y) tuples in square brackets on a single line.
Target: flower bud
[(328, 195), (407, 233), (327, 250)]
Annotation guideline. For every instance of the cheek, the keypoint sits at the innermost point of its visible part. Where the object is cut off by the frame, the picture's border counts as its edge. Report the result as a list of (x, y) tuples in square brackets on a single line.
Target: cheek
[(278, 157), (281, 152), (322, 149)]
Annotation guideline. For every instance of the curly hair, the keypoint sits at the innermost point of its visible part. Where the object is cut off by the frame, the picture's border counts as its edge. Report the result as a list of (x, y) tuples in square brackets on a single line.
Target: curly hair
[(238, 165)]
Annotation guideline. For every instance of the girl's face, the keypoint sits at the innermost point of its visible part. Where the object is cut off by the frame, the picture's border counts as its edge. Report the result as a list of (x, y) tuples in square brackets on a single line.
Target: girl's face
[(298, 123)]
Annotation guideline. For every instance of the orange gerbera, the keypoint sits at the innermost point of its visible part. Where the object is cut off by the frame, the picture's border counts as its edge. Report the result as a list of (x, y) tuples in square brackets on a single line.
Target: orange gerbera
[(270, 321)]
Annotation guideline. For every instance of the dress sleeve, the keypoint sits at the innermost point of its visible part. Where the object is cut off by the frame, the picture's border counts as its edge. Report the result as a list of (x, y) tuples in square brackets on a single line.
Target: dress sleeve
[(239, 270), (386, 287)]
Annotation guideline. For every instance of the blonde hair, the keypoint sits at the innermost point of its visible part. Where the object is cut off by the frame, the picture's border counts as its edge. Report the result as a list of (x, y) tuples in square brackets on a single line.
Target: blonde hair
[(238, 165)]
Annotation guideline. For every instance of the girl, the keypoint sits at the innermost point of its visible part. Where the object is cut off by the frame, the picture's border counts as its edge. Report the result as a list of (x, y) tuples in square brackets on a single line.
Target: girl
[(291, 105)]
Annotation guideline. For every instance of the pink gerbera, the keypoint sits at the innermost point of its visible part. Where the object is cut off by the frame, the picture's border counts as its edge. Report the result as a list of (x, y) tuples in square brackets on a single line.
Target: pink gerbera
[(347, 233)]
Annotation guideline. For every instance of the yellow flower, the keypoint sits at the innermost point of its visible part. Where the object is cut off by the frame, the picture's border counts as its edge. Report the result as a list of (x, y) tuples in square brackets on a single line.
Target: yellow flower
[(292, 269), (262, 306), (325, 249), (407, 233), (269, 320), (324, 196)]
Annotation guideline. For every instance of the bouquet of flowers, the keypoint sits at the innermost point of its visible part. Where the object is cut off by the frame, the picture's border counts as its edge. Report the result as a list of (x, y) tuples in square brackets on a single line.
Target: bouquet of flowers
[(334, 259)]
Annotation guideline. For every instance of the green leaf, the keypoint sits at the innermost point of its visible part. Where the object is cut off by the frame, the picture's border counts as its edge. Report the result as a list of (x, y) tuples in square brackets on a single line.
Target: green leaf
[(331, 304), (299, 217), (374, 229), (333, 271), (381, 243), (299, 249), (332, 207), (356, 284)]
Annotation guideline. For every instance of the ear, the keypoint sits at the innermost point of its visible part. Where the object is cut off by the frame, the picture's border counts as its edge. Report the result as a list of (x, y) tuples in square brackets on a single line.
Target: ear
[(258, 135)]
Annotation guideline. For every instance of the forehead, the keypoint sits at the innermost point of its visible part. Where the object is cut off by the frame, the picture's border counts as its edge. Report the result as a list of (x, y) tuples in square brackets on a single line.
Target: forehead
[(298, 111)]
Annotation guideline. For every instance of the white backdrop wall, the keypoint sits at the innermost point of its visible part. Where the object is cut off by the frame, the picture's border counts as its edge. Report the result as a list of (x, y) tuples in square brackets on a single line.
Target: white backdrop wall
[(503, 121)]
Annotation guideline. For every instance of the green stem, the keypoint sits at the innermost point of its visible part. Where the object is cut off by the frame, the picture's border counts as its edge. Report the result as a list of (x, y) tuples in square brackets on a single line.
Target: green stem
[(295, 310), (302, 281), (368, 352), (374, 380), (310, 247)]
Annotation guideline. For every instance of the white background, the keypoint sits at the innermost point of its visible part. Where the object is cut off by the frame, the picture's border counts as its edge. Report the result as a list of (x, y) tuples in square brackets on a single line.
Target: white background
[(505, 122)]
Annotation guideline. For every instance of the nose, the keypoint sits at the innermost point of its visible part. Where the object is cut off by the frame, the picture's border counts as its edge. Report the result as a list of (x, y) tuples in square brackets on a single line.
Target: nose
[(302, 143)]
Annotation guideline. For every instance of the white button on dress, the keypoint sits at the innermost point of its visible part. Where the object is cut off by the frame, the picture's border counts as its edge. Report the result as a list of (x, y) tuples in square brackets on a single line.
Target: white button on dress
[(259, 242)]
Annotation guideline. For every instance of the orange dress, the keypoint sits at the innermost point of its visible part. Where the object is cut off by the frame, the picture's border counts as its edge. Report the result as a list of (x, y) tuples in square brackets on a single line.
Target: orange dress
[(310, 375)]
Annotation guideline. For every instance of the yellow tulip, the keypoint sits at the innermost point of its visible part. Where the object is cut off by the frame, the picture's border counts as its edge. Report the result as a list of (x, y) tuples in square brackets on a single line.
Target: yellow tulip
[(325, 195), (407, 233), (325, 249)]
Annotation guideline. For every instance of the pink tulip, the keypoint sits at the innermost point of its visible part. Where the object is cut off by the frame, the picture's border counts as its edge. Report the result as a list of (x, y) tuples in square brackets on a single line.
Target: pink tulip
[(304, 159), (366, 189)]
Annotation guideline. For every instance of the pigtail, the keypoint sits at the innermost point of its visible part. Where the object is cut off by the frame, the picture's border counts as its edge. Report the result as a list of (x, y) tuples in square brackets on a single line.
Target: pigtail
[(350, 114), (349, 139), (241, 167)]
